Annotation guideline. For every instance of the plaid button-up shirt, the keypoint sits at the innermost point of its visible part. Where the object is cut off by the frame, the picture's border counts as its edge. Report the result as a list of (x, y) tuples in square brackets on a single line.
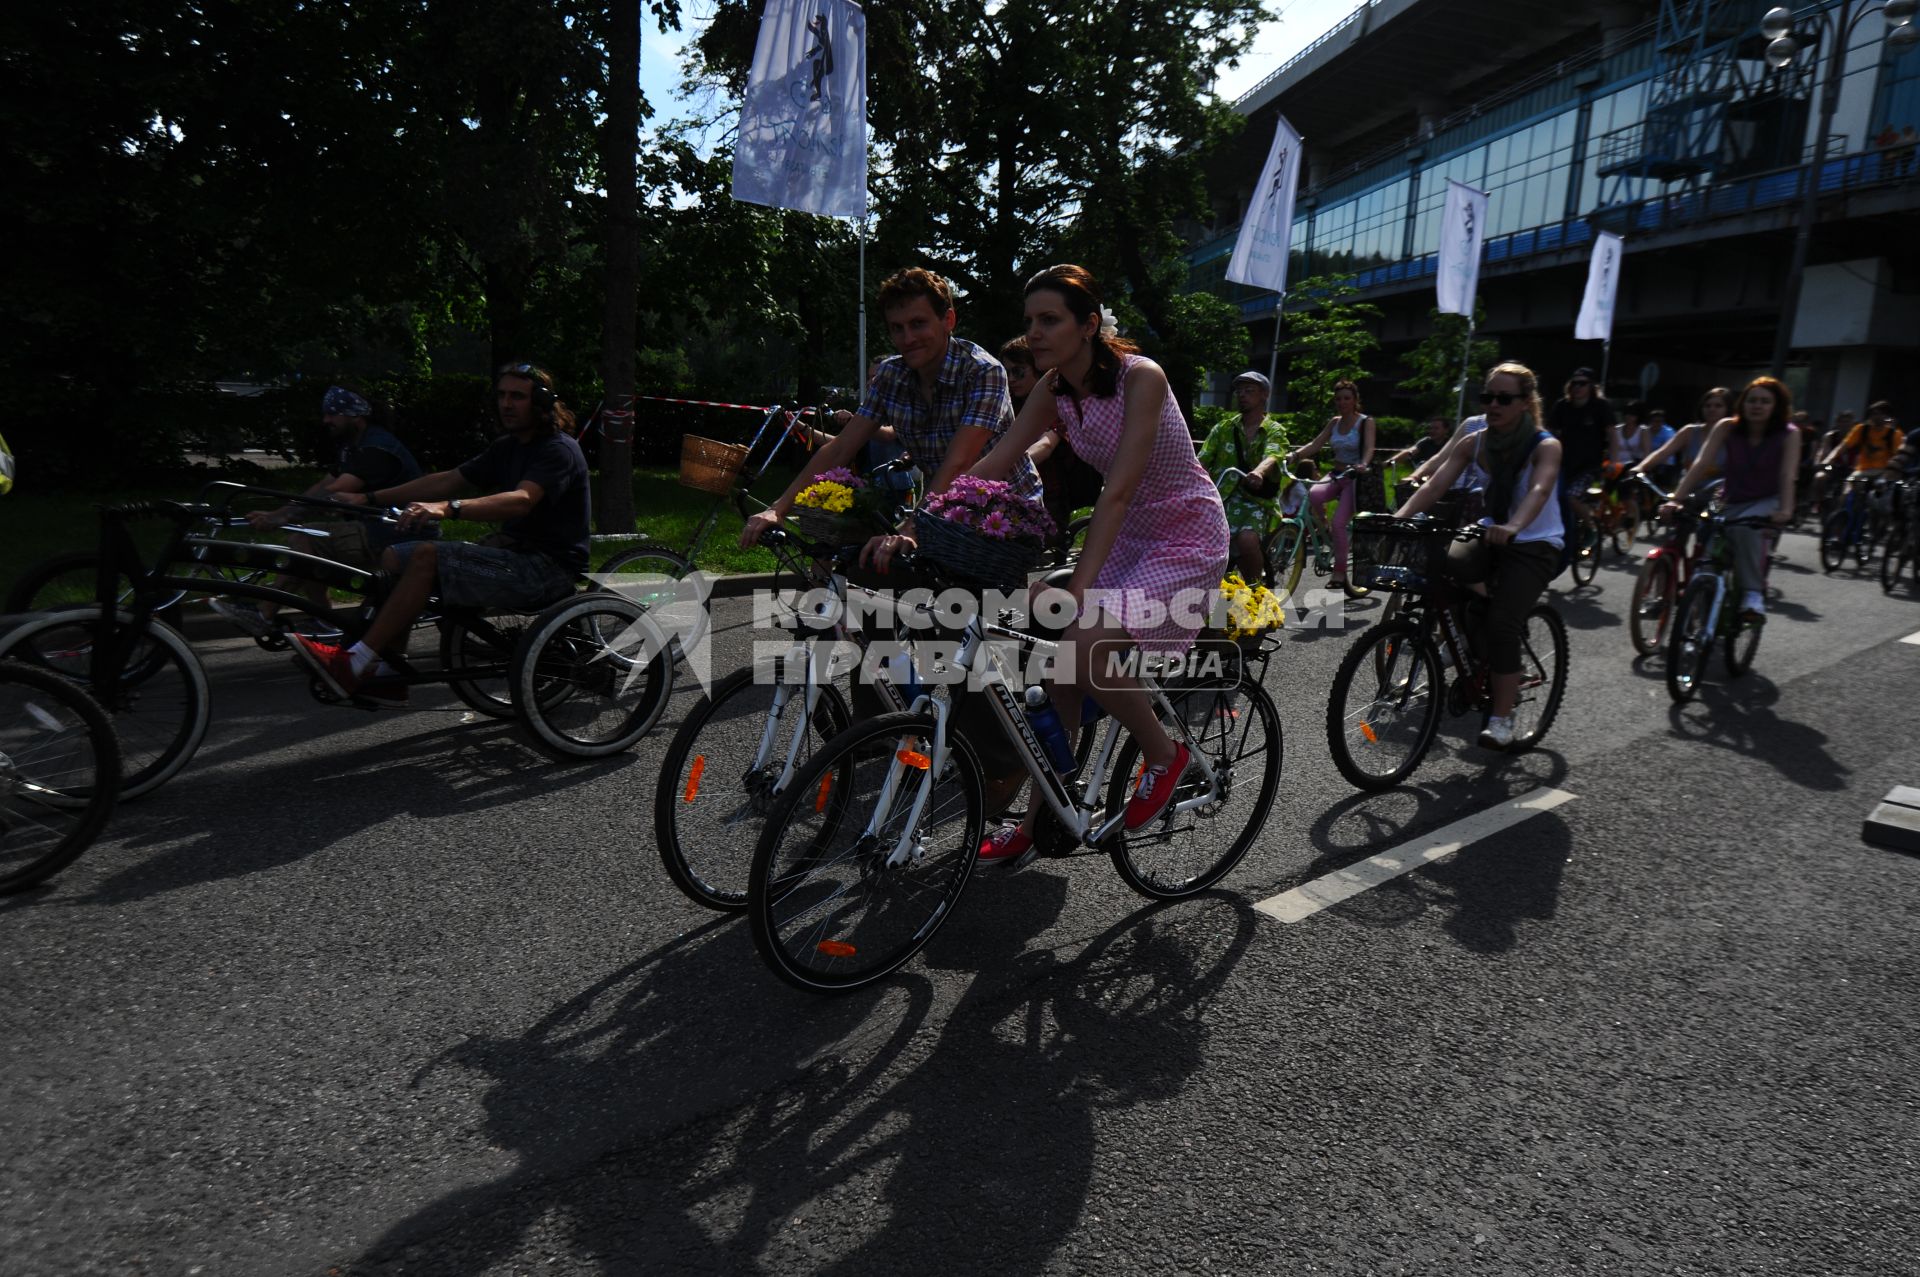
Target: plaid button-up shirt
[(970, 390)]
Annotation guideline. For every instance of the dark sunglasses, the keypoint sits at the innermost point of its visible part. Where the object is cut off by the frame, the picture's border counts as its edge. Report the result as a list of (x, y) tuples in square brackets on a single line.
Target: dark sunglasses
[(1500, 397)]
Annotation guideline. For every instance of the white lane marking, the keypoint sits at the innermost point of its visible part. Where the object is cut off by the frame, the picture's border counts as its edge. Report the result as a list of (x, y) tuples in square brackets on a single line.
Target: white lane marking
[(1310, 898), (1913, 639)]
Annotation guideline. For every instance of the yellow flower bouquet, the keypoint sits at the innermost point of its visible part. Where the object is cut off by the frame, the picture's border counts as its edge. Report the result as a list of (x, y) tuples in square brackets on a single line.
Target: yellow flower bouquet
[(836, 510), (1251, 610)]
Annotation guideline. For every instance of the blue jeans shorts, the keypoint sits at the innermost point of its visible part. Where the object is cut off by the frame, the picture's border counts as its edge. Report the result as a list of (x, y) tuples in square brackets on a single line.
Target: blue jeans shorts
[(485, 576)]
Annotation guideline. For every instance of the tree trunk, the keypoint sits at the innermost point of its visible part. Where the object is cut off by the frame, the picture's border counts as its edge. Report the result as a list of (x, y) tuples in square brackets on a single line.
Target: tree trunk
[(613, 510)]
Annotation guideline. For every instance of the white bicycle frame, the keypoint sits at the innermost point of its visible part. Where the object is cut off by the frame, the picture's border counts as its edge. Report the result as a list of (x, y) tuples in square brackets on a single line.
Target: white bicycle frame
[(1077, 815)]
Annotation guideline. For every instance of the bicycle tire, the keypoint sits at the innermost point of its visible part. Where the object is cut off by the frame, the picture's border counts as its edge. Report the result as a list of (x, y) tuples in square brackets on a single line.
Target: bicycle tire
[(716, 875), (1833, 541), (161, 706), (1741, 645), (59, 775), (629, 573), (1652, 606), (780, 893), (1243, 706), (1893, 565), (1690, 643), (1406, 700), (462, 648), (68, 580), (1533, 676), (1286, 556), (591, 675), (1586, 553)]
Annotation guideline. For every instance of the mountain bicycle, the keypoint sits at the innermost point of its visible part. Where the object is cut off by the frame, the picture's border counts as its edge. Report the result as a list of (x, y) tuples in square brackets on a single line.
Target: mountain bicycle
[(1609, 518), (1902, 557), (1703, 615), (866, 854), (59, 774), (1663, 574), (1859, 525), (1391, 687)]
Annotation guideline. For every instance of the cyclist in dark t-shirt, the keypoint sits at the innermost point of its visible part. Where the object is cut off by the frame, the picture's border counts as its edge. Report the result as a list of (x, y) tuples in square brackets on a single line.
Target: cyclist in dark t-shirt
[(535, 481), (1582, 420), (366, 457)]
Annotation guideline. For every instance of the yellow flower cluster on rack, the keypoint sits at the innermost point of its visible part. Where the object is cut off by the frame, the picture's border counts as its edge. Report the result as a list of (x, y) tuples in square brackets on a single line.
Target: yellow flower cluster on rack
[(1251, 609), (834, 498)]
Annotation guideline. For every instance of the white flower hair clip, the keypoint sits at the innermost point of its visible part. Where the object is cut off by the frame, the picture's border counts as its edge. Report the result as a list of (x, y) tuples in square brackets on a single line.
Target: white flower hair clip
[(1109, 326)]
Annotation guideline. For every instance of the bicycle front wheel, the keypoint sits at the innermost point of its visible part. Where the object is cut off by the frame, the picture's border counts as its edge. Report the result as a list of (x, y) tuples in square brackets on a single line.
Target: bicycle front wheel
[(591, 676), (1586, 553), (59, 774), (1287, 559), (1691, 642), (1833, 540), (1544, 655), (1652, 606), (1896, 563), (722, 775), (1236, 733), (865, 855), (160, 704), (1385, 705)]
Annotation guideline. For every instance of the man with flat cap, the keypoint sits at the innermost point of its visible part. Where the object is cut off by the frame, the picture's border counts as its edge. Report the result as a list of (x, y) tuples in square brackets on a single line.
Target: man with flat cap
[(1257, 446)]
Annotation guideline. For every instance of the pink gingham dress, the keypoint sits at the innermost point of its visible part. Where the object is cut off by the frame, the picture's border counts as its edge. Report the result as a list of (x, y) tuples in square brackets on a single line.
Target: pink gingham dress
[(1175, 534)]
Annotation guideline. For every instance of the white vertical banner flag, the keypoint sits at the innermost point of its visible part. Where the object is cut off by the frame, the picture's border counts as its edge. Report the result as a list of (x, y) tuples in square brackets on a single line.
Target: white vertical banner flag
[(1463, 233), (1603, 286), (803, 121), (1266, 235)]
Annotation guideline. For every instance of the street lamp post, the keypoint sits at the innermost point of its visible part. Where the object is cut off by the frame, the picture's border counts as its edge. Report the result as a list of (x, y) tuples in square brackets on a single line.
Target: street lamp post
[(1782, 47)]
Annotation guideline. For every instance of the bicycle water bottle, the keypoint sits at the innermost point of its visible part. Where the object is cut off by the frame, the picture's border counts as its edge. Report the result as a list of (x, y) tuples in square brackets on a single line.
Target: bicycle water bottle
[(1047, 726)]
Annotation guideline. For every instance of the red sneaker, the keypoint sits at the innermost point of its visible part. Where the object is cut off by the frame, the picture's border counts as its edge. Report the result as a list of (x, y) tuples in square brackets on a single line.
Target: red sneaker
[(332, 664), (1156, 788), (1004, 843)]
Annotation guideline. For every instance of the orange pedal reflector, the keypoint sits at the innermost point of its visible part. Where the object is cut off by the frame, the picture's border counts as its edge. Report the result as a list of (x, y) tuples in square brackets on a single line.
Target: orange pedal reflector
[(913, 758), (826, 787), (836, 948), (1366, 730), (693, 777)]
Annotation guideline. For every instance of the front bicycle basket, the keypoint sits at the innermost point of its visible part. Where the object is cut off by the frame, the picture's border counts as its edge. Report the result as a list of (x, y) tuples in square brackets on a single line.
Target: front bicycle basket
[(1399, 554)]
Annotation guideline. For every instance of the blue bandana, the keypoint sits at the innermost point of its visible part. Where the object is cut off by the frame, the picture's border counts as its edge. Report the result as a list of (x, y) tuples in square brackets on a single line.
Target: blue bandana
[(339, 400)]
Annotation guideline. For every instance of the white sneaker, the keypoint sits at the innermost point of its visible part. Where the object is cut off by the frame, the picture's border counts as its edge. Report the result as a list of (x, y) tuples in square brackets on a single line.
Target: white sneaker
[(1754, 601), (1497, 734), (243, 614)]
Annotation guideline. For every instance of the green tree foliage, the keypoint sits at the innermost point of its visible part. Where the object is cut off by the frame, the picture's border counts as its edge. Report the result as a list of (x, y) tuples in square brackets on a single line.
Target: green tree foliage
[(1326, 344), (1434, 365)]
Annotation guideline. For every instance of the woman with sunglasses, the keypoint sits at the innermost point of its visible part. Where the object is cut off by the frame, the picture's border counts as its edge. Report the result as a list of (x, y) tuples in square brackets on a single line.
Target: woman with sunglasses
[(1158, 535), (1525, 533), (1349, 434)]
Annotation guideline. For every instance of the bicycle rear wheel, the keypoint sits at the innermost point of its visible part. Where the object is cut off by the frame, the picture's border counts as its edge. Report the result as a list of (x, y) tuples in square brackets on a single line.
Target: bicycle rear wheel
[(1742, 642), (591, 676), (1586, 552), (1652, 606), (1691, 641), (721, 777), (1833, 540), (1236, 731), (1385, 705), (1897, 562), (59, 774), (1286, 553), (1544, 657), (160, 705), (829, 913)]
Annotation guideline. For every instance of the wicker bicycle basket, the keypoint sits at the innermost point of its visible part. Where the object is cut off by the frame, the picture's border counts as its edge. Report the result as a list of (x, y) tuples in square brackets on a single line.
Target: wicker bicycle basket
[(831, 529), (976, 559), (1399, 554), (709, 465)]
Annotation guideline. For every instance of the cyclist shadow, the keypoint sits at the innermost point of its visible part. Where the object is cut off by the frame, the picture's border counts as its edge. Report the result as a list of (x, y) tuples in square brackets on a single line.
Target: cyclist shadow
[(1491, 886), (1740, 717), (1581, 609), (313, 803), (655, 1119)]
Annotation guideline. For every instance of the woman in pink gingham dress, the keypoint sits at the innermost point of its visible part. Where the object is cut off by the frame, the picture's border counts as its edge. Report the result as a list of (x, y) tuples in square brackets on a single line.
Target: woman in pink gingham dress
[(1157, 546)]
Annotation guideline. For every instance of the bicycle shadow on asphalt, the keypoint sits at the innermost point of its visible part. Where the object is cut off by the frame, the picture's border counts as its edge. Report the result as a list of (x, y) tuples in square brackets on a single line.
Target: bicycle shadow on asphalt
[(1492, 886), (663, 1126), (1739, 716), (1581, 609), (310, 803)]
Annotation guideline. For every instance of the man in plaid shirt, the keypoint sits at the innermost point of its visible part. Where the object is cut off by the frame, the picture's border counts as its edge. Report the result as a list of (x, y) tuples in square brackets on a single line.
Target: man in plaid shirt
[(945, 397)]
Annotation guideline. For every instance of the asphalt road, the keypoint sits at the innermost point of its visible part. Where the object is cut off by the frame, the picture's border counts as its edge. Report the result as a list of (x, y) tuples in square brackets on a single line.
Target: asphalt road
[(394, 994)]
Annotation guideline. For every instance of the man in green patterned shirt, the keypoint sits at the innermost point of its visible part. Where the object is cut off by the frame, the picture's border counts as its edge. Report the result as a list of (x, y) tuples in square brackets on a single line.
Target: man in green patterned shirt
[(1257, 446)]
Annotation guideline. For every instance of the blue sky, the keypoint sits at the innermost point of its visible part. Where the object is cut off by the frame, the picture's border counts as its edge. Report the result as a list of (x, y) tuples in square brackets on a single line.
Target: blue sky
[(1301, 21)]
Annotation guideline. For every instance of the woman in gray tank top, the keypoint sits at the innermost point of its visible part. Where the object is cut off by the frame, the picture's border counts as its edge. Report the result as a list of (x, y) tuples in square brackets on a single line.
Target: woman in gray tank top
[(1349, 433)]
